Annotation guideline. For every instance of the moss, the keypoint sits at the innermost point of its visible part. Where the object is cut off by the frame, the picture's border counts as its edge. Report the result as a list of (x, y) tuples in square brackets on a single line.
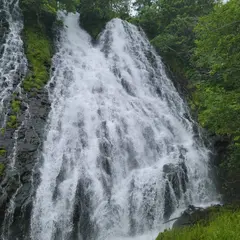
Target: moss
[(12, 122), (2, 168), (2, 130), (38, 48), (223, 225), (2, 152), (15, 105)]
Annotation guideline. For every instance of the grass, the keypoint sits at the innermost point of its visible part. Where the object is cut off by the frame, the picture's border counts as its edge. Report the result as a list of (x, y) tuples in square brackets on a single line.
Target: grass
[(224, 225)]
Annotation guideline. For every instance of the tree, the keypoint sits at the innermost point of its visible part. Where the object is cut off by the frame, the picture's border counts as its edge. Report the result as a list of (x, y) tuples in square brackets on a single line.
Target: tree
[(169, 24), (96, 13), (218, 44), (140, 4)]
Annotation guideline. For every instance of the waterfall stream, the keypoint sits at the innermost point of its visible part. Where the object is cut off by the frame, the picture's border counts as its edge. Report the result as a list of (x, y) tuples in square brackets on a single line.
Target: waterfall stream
[(13, 67), (121, 155), (13, 63)]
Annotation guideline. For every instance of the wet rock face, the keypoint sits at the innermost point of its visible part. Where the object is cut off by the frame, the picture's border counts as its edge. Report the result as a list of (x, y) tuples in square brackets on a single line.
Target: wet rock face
[(187, 217), (176, 181), (4, 26), (82, 213), (24, 144)]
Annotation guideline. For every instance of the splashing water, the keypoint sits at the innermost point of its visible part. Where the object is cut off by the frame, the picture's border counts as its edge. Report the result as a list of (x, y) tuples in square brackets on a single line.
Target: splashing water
[(121, 155)]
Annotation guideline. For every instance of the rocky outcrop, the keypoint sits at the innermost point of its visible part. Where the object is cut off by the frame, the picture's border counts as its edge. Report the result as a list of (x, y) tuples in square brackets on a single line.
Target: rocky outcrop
[(193, 215), (3, 26), (176, 179), (24, 115), (23, 146)]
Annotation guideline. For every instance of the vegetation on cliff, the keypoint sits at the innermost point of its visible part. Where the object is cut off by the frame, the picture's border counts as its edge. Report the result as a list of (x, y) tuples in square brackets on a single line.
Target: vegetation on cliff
[(39, 18), (217, 54), (38, 52)]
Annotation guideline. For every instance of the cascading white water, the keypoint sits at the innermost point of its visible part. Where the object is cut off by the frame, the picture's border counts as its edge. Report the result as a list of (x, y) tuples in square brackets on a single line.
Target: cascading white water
[(120, 154), (13, 63)]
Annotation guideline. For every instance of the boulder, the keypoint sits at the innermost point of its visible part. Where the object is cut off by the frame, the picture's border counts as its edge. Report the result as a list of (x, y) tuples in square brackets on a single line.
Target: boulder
[(193, 215)]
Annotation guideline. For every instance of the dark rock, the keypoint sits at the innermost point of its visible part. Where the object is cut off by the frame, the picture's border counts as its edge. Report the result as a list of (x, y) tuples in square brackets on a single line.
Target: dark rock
[(82, 211), (176, 179), (19, 185), (220, 145), (168, 202)]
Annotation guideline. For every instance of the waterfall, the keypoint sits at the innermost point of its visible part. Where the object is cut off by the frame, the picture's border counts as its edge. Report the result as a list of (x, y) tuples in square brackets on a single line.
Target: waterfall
[(121, 155), (13, 63)]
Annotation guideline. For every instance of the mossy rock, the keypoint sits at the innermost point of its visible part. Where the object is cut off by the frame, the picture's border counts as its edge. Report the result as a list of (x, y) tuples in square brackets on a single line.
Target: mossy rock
[(3, 152), (12, 121), (15, 105), (2, 168), (38, 48), (2, 130)]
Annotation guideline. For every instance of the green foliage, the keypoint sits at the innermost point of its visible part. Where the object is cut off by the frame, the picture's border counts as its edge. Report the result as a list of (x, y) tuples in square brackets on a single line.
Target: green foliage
[(96, 13), (43, 13), (218, 109), (15, 105), (217, 52), (39, 17), (169, 24), (70, 6), (139, 5), (2, 168), (223, 226), (39, 11), (218, 44), (12, 121), (148, 19)]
